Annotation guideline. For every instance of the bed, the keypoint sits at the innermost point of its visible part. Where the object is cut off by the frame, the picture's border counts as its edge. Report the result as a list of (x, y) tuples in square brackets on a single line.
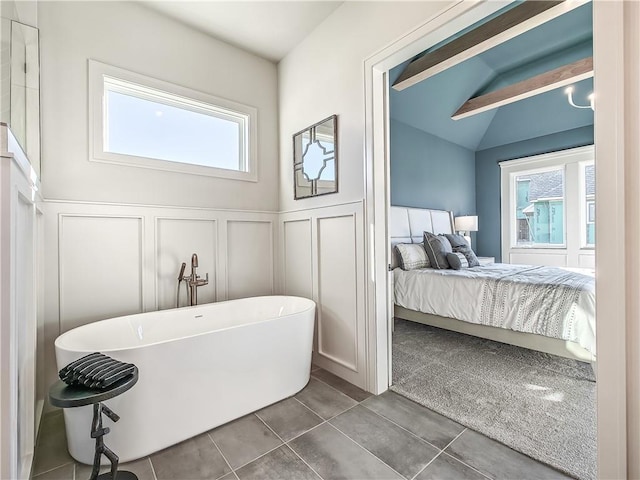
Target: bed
[(541, 308)]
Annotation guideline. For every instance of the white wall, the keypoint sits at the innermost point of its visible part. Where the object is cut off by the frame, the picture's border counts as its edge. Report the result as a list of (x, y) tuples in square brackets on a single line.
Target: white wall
[(324, 75), (130, 36), (115, 236)]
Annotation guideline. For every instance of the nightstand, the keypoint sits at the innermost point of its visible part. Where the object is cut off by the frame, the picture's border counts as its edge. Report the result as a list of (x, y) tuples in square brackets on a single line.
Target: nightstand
[(486, 260)]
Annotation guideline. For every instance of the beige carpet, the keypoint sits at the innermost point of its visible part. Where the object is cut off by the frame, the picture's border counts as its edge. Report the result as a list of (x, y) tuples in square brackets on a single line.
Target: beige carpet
[(536, 403)]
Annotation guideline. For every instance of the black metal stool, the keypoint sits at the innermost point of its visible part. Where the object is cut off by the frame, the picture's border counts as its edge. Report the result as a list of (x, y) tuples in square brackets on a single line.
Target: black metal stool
[(68, 396)]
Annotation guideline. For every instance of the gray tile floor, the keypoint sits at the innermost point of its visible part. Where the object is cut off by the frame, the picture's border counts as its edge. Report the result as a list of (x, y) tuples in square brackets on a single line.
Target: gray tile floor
[(330, 430)]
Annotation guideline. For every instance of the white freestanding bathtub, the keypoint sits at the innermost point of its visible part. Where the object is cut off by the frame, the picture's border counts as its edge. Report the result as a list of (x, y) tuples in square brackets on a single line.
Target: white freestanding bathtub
[(199, 367)]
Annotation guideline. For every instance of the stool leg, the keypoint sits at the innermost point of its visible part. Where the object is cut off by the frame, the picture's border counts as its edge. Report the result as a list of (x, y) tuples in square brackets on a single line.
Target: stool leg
[(113, 458), (97, 433)]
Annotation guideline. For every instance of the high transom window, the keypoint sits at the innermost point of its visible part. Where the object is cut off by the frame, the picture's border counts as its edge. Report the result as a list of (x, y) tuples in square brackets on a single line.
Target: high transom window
[(144, 122)]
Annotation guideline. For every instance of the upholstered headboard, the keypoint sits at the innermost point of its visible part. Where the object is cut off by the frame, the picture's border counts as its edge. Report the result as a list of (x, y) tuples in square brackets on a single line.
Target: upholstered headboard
[(407, 225)]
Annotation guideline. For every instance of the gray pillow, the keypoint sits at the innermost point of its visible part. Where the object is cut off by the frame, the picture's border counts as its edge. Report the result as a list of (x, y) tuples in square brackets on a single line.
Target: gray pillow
[(457, 260), (459, 245), (469, 254), (456, 240), (412, 256), (437, 247)]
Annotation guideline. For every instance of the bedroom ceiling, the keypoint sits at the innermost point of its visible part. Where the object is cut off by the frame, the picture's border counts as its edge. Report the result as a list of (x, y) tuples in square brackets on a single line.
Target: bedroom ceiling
[(428, 105), (268, 29)]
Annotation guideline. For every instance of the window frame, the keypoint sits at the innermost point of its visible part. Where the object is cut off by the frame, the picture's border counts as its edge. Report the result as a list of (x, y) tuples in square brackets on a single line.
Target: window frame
[(101, 75), (584, 215), (572, 162)]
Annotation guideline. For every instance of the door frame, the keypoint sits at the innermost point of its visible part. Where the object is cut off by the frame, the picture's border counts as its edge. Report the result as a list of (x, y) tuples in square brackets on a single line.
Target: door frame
[(613, 230)]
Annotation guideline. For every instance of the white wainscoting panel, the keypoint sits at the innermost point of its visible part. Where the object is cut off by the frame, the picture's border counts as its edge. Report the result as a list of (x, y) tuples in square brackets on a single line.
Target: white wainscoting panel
[(297, 259), (326, 244), (337, 309), (104, 260), (587, 260), (25, 330), (100, 268), (18, 308), (249, 259), (177, 240), (537, 258)]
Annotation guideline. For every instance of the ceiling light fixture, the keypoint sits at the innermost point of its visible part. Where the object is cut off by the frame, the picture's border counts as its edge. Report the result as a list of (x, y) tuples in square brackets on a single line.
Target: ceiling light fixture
[(569, 92)]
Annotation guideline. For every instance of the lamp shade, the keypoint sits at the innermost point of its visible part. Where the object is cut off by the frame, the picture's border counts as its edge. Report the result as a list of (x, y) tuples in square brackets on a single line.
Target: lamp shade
[(468, 223)]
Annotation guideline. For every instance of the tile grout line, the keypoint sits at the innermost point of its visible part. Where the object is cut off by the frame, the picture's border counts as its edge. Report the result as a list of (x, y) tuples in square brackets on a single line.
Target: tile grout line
[(320, 424), (221, 454), (408, 431), (153, 470), (334, 388), (368, 451), (289, 447), (427, 465), (466, 465), (344, 411), (304, 461), (54, 468), (439, 453), (308, 408), (460, 460), (257, 458), (456, 437), (272, 430), (317, 414)]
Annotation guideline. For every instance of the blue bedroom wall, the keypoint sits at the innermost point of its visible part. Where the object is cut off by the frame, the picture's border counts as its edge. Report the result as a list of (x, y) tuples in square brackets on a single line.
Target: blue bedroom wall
[(429, 172), (487, 173)]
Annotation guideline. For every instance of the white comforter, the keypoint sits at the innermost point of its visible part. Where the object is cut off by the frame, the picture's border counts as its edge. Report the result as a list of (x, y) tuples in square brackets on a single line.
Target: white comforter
[(543, 300)]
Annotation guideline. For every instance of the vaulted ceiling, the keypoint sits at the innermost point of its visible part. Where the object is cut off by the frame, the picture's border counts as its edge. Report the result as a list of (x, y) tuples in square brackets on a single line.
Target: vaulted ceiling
[(429, 104), (270, 29)]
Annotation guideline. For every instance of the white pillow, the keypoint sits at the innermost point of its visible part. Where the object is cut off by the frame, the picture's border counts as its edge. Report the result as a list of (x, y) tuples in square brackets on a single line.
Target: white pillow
[(412, 256)]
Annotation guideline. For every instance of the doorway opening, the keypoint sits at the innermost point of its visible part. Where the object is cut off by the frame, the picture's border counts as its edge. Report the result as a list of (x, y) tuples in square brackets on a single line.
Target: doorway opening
[(380, 145)]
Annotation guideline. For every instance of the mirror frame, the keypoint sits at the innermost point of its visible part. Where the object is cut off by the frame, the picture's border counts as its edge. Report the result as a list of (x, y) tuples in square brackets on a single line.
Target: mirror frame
[(298, 163)]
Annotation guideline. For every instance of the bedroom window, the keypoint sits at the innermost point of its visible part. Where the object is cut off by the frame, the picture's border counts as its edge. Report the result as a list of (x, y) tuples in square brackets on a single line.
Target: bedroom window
[(548, 209), (144, 122), (539, 212), (589, 209)]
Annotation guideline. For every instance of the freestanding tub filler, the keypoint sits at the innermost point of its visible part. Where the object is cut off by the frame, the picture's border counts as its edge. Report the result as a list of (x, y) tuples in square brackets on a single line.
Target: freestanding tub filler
[(200, 367)]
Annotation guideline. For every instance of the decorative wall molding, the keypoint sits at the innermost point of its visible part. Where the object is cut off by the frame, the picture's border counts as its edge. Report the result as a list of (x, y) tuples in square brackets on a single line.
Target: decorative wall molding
[(337, 253), (89, 274), (190, 240), (298, 245), (329, 240), (186, 231), (19, 309), (244, 256), (248, 256)]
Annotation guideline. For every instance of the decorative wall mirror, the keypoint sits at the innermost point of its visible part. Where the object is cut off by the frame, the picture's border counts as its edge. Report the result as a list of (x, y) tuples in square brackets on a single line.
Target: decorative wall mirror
[(315, 159)]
